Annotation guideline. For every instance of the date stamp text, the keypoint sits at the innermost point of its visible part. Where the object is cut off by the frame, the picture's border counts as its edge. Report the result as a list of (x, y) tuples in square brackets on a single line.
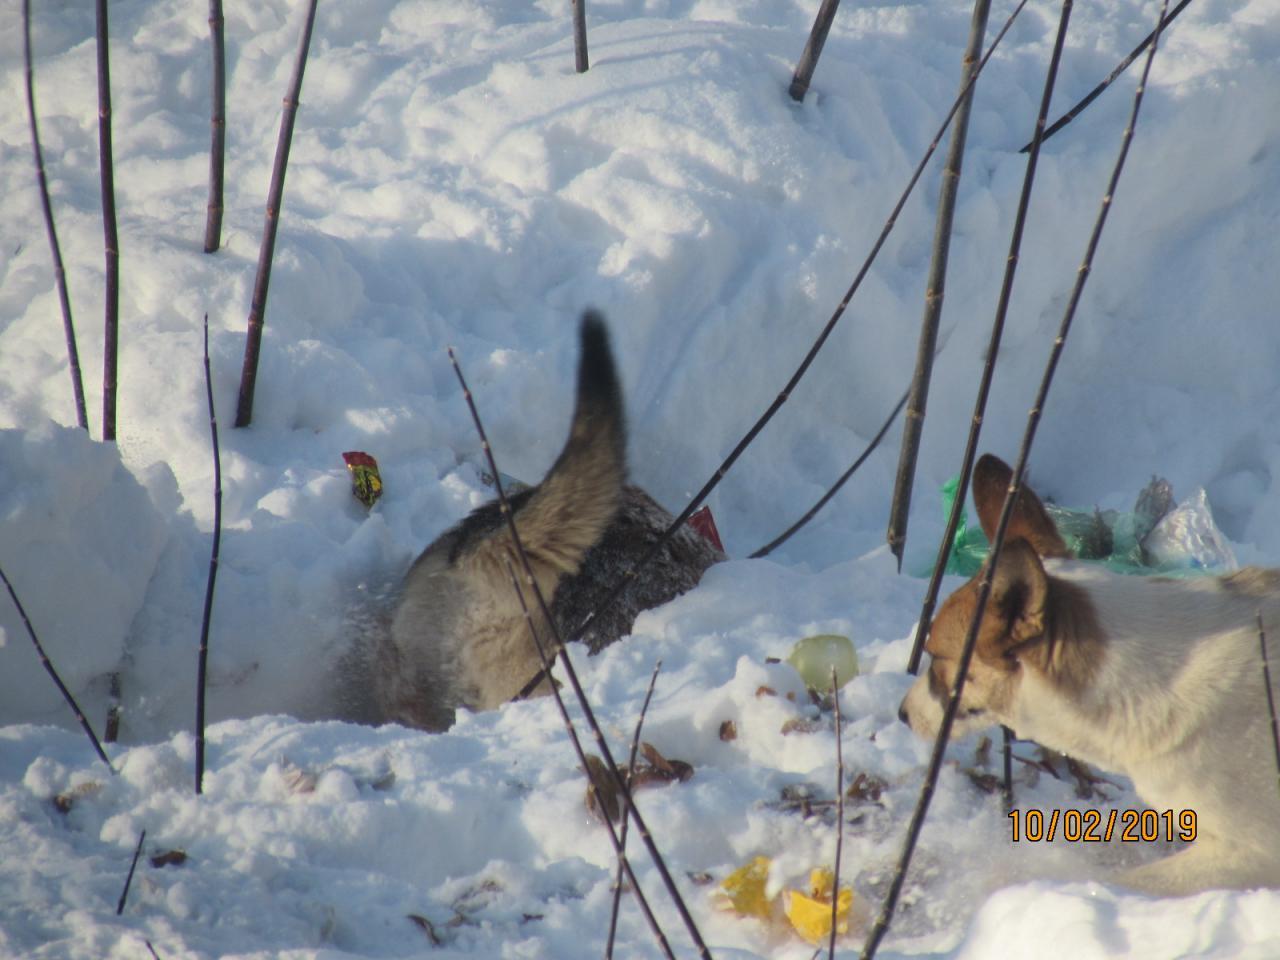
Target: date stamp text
[(1098, 826)]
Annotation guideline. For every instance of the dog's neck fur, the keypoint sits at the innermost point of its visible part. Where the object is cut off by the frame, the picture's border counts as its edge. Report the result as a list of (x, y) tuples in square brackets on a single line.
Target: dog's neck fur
[(1118, 657)]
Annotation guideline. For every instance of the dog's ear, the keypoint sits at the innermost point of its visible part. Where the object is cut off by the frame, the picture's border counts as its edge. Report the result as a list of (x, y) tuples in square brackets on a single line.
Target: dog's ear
[(1019, 593), (1030, 521)]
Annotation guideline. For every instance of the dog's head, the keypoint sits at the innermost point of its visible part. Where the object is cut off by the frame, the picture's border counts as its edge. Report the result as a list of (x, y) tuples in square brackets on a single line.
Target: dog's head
[(1013, 634)]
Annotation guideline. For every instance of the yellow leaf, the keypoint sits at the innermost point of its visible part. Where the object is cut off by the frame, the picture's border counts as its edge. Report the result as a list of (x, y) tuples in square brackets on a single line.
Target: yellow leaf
[(811, 915), (745, 889)]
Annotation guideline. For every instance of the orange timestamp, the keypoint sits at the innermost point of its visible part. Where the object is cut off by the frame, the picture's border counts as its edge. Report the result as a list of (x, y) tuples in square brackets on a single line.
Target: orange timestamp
[(1096, 826)]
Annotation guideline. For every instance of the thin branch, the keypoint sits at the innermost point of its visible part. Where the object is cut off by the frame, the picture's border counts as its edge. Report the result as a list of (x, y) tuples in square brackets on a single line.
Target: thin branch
[(571, 675), (800, 371), (1007, 756), (53, 674), (993, 350), (580, 36), (935, 291), (813, 49), (218, 121), (631, 774), (835, 873), (611, 829), (266, 253), (1015, 489), (106, 165), (1121, 67), (786, 535), (1271, 702), (203, 658), (128, 881), (59, 274)]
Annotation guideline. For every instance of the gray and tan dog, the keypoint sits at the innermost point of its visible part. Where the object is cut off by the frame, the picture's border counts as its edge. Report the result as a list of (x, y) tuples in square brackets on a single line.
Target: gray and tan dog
[(458, 637)]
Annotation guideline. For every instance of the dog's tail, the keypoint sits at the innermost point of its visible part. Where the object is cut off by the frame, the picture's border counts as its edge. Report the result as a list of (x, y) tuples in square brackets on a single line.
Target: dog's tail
[(569, 511)]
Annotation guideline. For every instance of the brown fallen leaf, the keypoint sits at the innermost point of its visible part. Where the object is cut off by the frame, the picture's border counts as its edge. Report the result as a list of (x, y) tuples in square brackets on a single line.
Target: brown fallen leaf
[(801, 725), (764, 691), (64, 801), (671, 770), (170, 858), (427, 927), (866, 788), (728, 731), (602, 793)]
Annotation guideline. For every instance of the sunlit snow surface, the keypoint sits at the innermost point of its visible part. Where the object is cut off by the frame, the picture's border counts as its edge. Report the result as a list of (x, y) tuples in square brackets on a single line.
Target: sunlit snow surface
[(454, 182)]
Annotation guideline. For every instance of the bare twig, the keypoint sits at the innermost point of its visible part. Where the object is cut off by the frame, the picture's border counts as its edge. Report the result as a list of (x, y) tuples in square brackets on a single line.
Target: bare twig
[(151, 950), (105, 164), (59, 274), (580, 36), (203, 659), (835, 870), (266, 253), (1121, 67), (835, 487), (1006, 755), (800, 371), (622, 839), (1271, 702), (128, 881), (218, 121), (53, 674), (813, 49), (935, 290), (993, 351), (1015, 489), (572, 676), (610, 828)]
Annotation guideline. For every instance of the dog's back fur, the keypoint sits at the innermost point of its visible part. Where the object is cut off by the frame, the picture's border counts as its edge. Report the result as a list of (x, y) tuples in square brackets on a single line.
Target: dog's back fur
[(1158, 678), (458, 636)]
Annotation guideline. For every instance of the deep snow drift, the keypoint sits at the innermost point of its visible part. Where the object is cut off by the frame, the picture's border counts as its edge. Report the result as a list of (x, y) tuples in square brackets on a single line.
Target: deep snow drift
[(452, 181)]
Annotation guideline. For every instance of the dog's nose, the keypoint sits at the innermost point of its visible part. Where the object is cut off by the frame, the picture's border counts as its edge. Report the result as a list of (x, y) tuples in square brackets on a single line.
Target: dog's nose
[(902, 713)]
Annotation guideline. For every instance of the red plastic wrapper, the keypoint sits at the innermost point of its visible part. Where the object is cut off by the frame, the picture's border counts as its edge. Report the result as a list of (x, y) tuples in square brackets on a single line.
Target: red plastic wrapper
[(366, 483), (702, 521)]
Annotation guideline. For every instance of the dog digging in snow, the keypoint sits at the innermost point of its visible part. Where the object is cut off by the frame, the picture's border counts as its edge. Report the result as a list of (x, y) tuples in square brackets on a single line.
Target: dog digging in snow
[(1157, 678), (458, 636)]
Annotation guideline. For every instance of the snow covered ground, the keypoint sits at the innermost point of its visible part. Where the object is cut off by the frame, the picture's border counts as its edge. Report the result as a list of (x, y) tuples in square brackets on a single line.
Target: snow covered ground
[(453, 181)]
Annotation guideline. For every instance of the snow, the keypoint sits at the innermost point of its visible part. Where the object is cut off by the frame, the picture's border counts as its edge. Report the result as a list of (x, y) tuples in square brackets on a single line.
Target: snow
[(453, 182)]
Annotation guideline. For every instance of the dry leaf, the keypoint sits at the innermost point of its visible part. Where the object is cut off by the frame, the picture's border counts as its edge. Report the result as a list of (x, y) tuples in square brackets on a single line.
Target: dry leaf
[(64, 801), (744, 889), (170, 858), (728, 731), (671, 770), (427, 927), (800, 725), (763, 691), (810, 914), (865, 788), (602, 792)]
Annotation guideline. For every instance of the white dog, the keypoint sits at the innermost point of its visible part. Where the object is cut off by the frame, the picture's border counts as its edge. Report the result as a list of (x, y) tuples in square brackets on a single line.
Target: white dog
[(1157, 678)]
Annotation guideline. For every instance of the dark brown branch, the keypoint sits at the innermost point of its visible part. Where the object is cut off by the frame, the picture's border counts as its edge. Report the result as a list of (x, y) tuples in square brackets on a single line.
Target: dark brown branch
[(218, 121), (935, 290), (1015, 488), (571, 675), (786, 535), (993, 353), (813, 49), (106, 165), (1121, 67), (128, 881), (1271, 701), (203, 657), (53, 674), (266, 253), (835, 870), (59, 273), (622, 839), (580, 36)]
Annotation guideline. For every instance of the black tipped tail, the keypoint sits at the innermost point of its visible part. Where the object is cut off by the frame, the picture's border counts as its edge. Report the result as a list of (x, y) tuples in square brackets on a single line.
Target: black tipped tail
[(598, 385)]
